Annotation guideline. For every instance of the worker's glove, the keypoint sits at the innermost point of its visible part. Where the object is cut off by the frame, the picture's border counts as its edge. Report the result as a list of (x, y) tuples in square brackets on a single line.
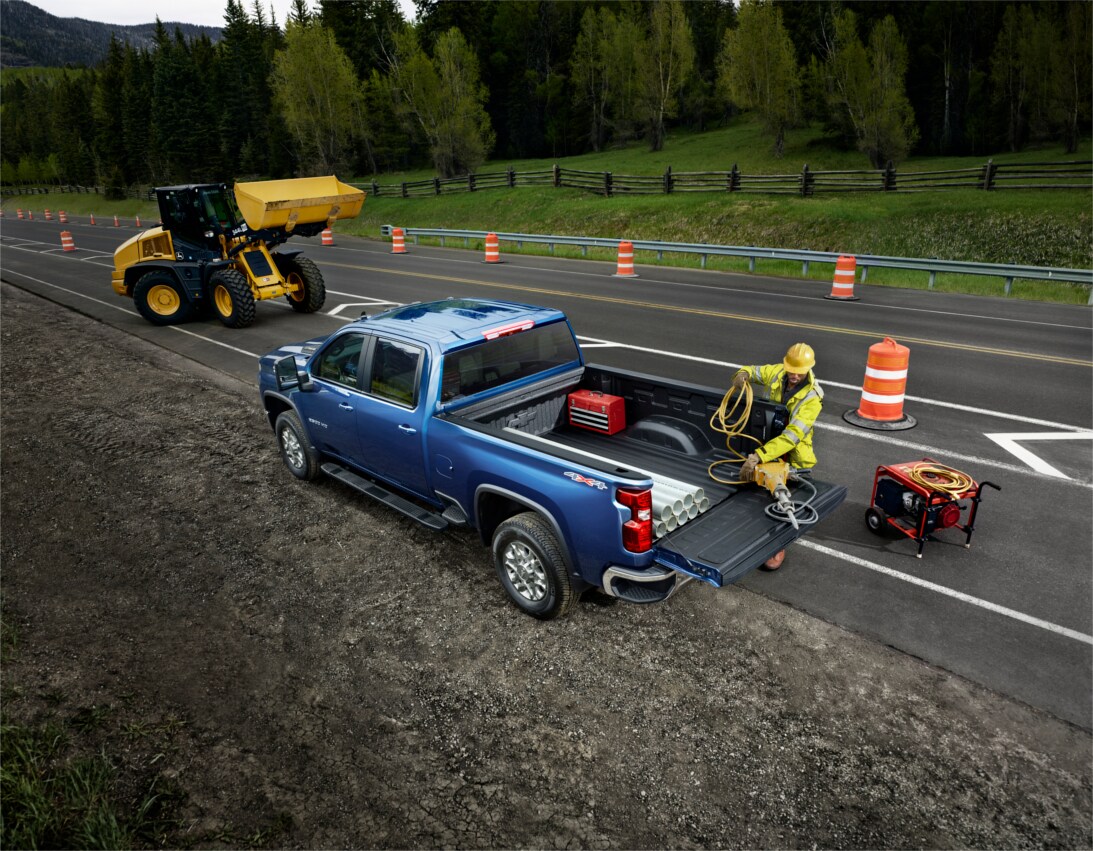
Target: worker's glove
[(747, 469), (739, 380)]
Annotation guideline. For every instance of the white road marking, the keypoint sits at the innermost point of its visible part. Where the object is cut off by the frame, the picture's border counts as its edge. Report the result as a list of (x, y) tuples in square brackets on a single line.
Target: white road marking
[(118, 307), (949, 592), (1009, 443)]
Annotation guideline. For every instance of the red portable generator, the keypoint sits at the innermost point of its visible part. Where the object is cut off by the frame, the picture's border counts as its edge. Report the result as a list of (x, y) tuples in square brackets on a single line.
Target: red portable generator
[(917, 498)]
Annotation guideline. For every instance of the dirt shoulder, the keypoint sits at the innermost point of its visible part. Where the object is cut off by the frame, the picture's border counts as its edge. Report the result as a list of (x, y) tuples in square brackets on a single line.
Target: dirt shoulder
[(320, 672)]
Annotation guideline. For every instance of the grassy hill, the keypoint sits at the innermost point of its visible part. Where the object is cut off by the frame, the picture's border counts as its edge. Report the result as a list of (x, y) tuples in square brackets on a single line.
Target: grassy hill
[(1034, 227)]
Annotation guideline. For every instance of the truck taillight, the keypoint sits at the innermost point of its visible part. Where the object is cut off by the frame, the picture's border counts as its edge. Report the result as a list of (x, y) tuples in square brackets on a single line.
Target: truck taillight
[(637, 532)]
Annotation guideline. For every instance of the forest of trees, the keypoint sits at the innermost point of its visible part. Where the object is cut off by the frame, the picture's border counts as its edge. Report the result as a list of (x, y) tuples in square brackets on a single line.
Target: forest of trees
[(350, 87)]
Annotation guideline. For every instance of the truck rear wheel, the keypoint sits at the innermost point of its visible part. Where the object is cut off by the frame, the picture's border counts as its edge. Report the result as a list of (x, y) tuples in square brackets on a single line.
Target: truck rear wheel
[(532, 567), (232, 298), (305, 274), (161, 300), (296, 451)]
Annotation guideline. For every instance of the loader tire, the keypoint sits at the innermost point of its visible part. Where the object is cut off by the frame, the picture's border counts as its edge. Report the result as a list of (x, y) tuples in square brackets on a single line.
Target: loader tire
[(161, 300), (232, 298), (301, 270), (532, 567)]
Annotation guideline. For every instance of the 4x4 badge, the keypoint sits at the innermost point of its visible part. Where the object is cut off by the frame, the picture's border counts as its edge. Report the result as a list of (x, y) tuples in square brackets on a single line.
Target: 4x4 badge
[(592, 483)]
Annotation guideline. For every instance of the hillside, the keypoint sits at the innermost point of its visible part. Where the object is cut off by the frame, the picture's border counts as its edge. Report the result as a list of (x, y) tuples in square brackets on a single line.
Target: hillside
[(30, 36)]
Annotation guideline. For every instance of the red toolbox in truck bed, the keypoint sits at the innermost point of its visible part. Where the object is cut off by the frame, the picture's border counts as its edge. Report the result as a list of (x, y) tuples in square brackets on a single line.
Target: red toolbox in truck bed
[(597, 411)]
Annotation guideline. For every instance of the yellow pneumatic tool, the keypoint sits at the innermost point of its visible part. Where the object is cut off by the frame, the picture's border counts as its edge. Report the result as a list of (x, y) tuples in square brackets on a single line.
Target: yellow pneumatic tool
[(774, 475)]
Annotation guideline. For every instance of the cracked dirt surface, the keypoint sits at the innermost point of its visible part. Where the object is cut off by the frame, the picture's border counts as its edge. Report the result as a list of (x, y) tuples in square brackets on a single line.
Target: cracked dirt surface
[(333, 676)]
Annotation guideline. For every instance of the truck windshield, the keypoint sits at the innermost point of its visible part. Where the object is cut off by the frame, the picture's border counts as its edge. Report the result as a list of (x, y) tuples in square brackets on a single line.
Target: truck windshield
[(495, 362)]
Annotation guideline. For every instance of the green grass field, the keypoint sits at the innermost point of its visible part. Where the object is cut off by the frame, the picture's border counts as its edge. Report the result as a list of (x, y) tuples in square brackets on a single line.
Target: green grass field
[(1028, 227)]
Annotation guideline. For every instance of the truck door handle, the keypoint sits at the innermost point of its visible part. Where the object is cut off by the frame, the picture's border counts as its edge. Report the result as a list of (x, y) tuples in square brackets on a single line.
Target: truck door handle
[(345, 406), (405, 429)]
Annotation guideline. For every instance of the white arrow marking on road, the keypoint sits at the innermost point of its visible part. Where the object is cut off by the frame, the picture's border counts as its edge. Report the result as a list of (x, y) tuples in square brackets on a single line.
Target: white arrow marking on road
[(1008, 442), (342, 307)]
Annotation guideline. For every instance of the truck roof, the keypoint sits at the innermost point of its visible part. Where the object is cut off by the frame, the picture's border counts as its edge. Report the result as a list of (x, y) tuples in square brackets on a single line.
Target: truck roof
[(454, 322)]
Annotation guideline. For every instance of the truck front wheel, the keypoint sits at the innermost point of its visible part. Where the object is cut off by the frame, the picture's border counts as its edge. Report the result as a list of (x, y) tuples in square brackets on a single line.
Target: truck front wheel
[(296, 451), (531, 566), (306, 275), (232, 298), (161, 300)]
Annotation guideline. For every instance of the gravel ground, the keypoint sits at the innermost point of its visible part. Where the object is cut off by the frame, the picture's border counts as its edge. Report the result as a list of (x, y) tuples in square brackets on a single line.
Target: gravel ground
[(296, 666)]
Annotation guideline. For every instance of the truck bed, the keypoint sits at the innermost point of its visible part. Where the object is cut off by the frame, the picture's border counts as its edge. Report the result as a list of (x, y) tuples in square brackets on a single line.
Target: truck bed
[(667, 434)]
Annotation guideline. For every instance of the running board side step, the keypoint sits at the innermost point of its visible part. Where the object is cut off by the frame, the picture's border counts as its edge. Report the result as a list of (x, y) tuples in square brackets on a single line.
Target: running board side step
[(381, 494)]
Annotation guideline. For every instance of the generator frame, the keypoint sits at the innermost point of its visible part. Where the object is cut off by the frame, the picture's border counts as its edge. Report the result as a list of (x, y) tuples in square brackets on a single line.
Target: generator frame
[(929, 517)]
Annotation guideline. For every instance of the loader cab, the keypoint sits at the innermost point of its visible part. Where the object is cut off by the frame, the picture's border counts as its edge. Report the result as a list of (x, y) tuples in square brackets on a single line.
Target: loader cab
[(199, 214)]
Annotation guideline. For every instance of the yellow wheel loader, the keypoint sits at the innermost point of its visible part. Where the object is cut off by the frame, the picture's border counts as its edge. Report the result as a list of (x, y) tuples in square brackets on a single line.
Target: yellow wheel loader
[(214, 249)]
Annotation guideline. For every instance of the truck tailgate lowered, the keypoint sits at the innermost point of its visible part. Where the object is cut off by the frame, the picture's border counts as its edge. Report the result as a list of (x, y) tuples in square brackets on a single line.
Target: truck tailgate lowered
[(735, 537)]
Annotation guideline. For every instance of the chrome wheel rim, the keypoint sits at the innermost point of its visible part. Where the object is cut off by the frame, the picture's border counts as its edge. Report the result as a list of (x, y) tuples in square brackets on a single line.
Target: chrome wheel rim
[(294, 452), (525, 571)]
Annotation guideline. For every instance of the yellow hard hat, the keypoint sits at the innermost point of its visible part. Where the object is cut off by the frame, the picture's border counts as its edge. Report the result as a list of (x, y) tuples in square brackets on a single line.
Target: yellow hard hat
[(799, 358)]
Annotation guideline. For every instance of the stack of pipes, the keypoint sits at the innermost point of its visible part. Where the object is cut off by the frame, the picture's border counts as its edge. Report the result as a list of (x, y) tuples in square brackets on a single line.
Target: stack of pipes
[(674, 503)]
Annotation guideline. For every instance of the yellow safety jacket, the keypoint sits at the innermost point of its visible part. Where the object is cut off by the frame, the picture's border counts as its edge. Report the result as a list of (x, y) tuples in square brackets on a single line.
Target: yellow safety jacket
[(795, 443)]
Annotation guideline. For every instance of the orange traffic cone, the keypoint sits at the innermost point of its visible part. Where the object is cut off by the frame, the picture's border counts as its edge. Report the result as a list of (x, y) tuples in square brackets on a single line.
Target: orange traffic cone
[(328, 237), (66, 241), (883, 389), (138, 221), (626, 261), (117, 224), (92, 218), (30, 215), (493, 249), (398, 241), (842, 286)]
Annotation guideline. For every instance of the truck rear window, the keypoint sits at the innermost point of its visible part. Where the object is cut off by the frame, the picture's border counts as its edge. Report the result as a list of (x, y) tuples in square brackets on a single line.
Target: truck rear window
[(495, 362)]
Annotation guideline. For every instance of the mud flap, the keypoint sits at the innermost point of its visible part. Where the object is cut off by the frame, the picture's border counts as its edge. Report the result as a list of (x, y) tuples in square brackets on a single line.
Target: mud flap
[(735, 537)]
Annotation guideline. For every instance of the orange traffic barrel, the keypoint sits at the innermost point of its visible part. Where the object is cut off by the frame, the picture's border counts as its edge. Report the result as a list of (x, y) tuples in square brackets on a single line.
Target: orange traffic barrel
[(92, 218), (66, 241), (19, 213), (117, 224), (63, 217), (842, 285), (493, 249), (328, 236), (881, 405), (398, 241), (626, 261), (49, 215)]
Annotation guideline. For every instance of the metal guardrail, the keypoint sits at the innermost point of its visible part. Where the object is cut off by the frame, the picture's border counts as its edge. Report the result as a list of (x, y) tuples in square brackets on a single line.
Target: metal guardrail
[(931, 265)]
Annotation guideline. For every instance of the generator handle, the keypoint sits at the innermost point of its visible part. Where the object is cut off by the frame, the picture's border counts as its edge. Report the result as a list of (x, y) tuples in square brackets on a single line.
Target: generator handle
[(990, 485)]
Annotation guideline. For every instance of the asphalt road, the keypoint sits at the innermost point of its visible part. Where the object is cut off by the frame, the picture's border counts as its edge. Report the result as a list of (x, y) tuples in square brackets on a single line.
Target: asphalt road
[(1014, 612)]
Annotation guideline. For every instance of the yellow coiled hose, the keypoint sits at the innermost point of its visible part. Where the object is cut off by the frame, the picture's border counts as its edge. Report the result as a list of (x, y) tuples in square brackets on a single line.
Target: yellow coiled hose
[(938, 477), (726, 421)]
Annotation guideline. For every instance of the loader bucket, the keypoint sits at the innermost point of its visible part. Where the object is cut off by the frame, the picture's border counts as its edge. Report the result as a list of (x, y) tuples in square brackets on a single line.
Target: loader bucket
[(303, 200)]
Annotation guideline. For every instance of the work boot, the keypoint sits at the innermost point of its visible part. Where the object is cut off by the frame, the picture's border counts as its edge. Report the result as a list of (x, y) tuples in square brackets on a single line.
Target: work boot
[(775, 561)]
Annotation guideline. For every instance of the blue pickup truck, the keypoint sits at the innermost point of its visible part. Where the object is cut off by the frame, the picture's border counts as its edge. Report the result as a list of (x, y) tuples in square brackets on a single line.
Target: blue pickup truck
[(484, 414)]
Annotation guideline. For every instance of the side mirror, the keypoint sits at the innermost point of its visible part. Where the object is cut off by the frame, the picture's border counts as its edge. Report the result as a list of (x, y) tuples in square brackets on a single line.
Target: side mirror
[(289, 375)]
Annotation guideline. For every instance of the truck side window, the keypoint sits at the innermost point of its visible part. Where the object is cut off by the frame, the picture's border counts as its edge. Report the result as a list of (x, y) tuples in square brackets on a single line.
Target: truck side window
[(340, 360), (395, 372)]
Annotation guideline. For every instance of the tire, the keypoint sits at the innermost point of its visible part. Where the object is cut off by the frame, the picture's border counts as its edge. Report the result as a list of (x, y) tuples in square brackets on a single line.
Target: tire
[(301, 270), (232, 298), (161, 300), (875, 521), (296, 450), (532, 567)]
